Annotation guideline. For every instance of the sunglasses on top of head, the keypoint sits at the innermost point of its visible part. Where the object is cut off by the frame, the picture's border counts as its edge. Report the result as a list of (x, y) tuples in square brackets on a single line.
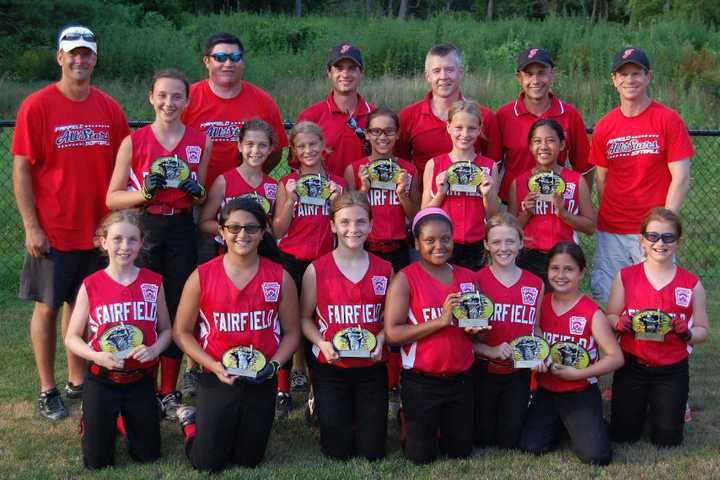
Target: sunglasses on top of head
[(71, 37), (222, 57)]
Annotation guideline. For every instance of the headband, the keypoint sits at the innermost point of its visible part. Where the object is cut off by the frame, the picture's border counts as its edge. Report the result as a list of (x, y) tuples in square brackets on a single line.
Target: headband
[(429, 211)]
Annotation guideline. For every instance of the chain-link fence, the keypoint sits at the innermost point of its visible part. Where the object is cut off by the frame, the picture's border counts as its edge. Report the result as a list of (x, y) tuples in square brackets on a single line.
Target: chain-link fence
[(700, 252)]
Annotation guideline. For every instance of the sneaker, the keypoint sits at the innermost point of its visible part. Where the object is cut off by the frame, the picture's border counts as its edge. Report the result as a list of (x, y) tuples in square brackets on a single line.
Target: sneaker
[(299, 382), (310, 411), (191, 378), (51, 405), (171, 402), (186, 415), (283, 405), (72, 391)]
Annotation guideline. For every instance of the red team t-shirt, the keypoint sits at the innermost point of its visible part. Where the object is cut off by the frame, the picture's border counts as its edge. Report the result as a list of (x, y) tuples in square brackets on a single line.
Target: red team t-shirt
[(309, 235), (341, 141), (221, 118), (424, 136), (516, 309), (387, 212), (466, 210), (636, 151), (449, 350), (675, 298), (111, 304), (146, 149), (575, 326), (342, 303), (545, 228), (232, 317), (514, 122), (71, 147)]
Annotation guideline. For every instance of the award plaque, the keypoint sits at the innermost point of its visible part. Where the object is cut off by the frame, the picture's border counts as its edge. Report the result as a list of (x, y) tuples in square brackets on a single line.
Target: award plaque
[(651, 324), (243, 361), (546, 183), (264, 202), (474, 311), (529, 351), (172, 168), (120, 340), (570, 354), (354, 342), (464, 177), (384, 174), (313, 189)]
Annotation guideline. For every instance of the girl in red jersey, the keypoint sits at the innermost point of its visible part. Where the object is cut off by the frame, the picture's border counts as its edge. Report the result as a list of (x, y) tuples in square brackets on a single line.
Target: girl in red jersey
[(568, 395), (548, 222), (255, 142), (123, 307), (655, 374), (160, 168), (468, 210), (501, 391), (390, 208), (437, 355), (244, 299), (346, 289)]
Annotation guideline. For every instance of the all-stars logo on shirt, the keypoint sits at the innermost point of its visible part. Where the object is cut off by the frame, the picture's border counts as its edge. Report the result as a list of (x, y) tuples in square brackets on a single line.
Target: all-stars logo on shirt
[(647, 144), (222, 131), (82, 135)]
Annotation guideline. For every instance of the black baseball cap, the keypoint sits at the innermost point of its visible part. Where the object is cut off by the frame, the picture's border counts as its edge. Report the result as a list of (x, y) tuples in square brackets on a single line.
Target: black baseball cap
[(534, 55), (630, 55), (343, 51)]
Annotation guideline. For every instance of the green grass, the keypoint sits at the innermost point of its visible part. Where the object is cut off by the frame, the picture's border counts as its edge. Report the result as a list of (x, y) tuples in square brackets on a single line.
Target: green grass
[(34, 448)]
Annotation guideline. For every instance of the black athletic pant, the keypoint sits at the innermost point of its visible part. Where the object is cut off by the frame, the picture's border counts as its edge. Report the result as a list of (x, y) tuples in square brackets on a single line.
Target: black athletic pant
[(664, 390), (534, 261), (433, 404), (233, 423), (352, 406), (469, 255), (581, 415), (103, 400), (296, 269), (169, 249), (399, 258), (501, 402)]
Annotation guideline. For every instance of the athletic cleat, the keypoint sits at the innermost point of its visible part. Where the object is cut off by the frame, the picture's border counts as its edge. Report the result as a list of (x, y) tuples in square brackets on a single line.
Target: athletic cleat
[(191, 378), (51, 405), (283, 405), (311, 412), (299, 382), (186, 415), (72, 391), (171, 402)]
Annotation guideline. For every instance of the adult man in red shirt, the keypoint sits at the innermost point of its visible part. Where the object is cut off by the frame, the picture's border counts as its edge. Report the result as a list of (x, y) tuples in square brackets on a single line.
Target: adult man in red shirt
[(423, 124), (535, 74), (343, 114), (66, 138), (642, 152)]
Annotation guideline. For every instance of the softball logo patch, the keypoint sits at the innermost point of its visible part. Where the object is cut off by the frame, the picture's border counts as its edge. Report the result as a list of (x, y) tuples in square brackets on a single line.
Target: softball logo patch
[(467, 287), (270, 190), (271, 291), (577, 325), (192, 153), (149, 292), (379, 284), (569, 191), (529, 295), (683, 296)]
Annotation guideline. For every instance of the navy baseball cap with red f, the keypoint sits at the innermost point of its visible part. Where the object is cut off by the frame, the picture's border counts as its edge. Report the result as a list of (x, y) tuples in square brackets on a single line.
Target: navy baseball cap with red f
[(344, 51), (630, 55), (534, 55)]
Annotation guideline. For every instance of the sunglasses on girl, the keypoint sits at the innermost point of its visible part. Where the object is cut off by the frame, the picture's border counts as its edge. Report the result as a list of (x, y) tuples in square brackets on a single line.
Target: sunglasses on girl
[(222, 57), (666, 238), (250, 229)]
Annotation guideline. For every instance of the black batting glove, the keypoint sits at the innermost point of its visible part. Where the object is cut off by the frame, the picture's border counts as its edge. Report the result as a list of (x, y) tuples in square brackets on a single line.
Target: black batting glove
[(267, 372), (192, 188), (151, 184)]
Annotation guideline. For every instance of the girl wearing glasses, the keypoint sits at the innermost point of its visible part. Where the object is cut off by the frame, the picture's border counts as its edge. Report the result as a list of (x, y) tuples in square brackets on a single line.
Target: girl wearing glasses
[(160, 168), (548, 220), (655, 378), (346, 289), (244, 299)]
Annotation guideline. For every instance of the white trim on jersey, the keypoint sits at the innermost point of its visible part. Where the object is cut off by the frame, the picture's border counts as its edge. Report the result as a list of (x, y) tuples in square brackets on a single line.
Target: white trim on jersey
[(133, 181), (408, 359)]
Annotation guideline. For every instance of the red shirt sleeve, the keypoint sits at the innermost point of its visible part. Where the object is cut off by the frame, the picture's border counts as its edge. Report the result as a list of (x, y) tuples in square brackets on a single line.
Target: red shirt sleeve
[(579, 145), (597, 147), (679, 144), (120, 129), (402, 145), (492, 143), (24, 143)]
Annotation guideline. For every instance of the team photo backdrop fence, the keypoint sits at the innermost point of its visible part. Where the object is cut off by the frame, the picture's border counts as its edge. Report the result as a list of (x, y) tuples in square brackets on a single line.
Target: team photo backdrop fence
[(700, 252)]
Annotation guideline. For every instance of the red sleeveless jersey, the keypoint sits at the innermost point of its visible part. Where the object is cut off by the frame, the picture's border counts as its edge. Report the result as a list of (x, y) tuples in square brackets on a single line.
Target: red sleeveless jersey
[(388, 214), (545, 229), (449, 350), (231, 317), (675, 298), (575, 326), (515, 311), (309, 235), (466, 210), (342, 303), (111, 304), (146, 148)]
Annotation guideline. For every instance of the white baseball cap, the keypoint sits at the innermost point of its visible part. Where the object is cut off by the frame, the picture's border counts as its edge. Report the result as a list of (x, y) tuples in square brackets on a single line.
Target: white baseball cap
[(76, 36)]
